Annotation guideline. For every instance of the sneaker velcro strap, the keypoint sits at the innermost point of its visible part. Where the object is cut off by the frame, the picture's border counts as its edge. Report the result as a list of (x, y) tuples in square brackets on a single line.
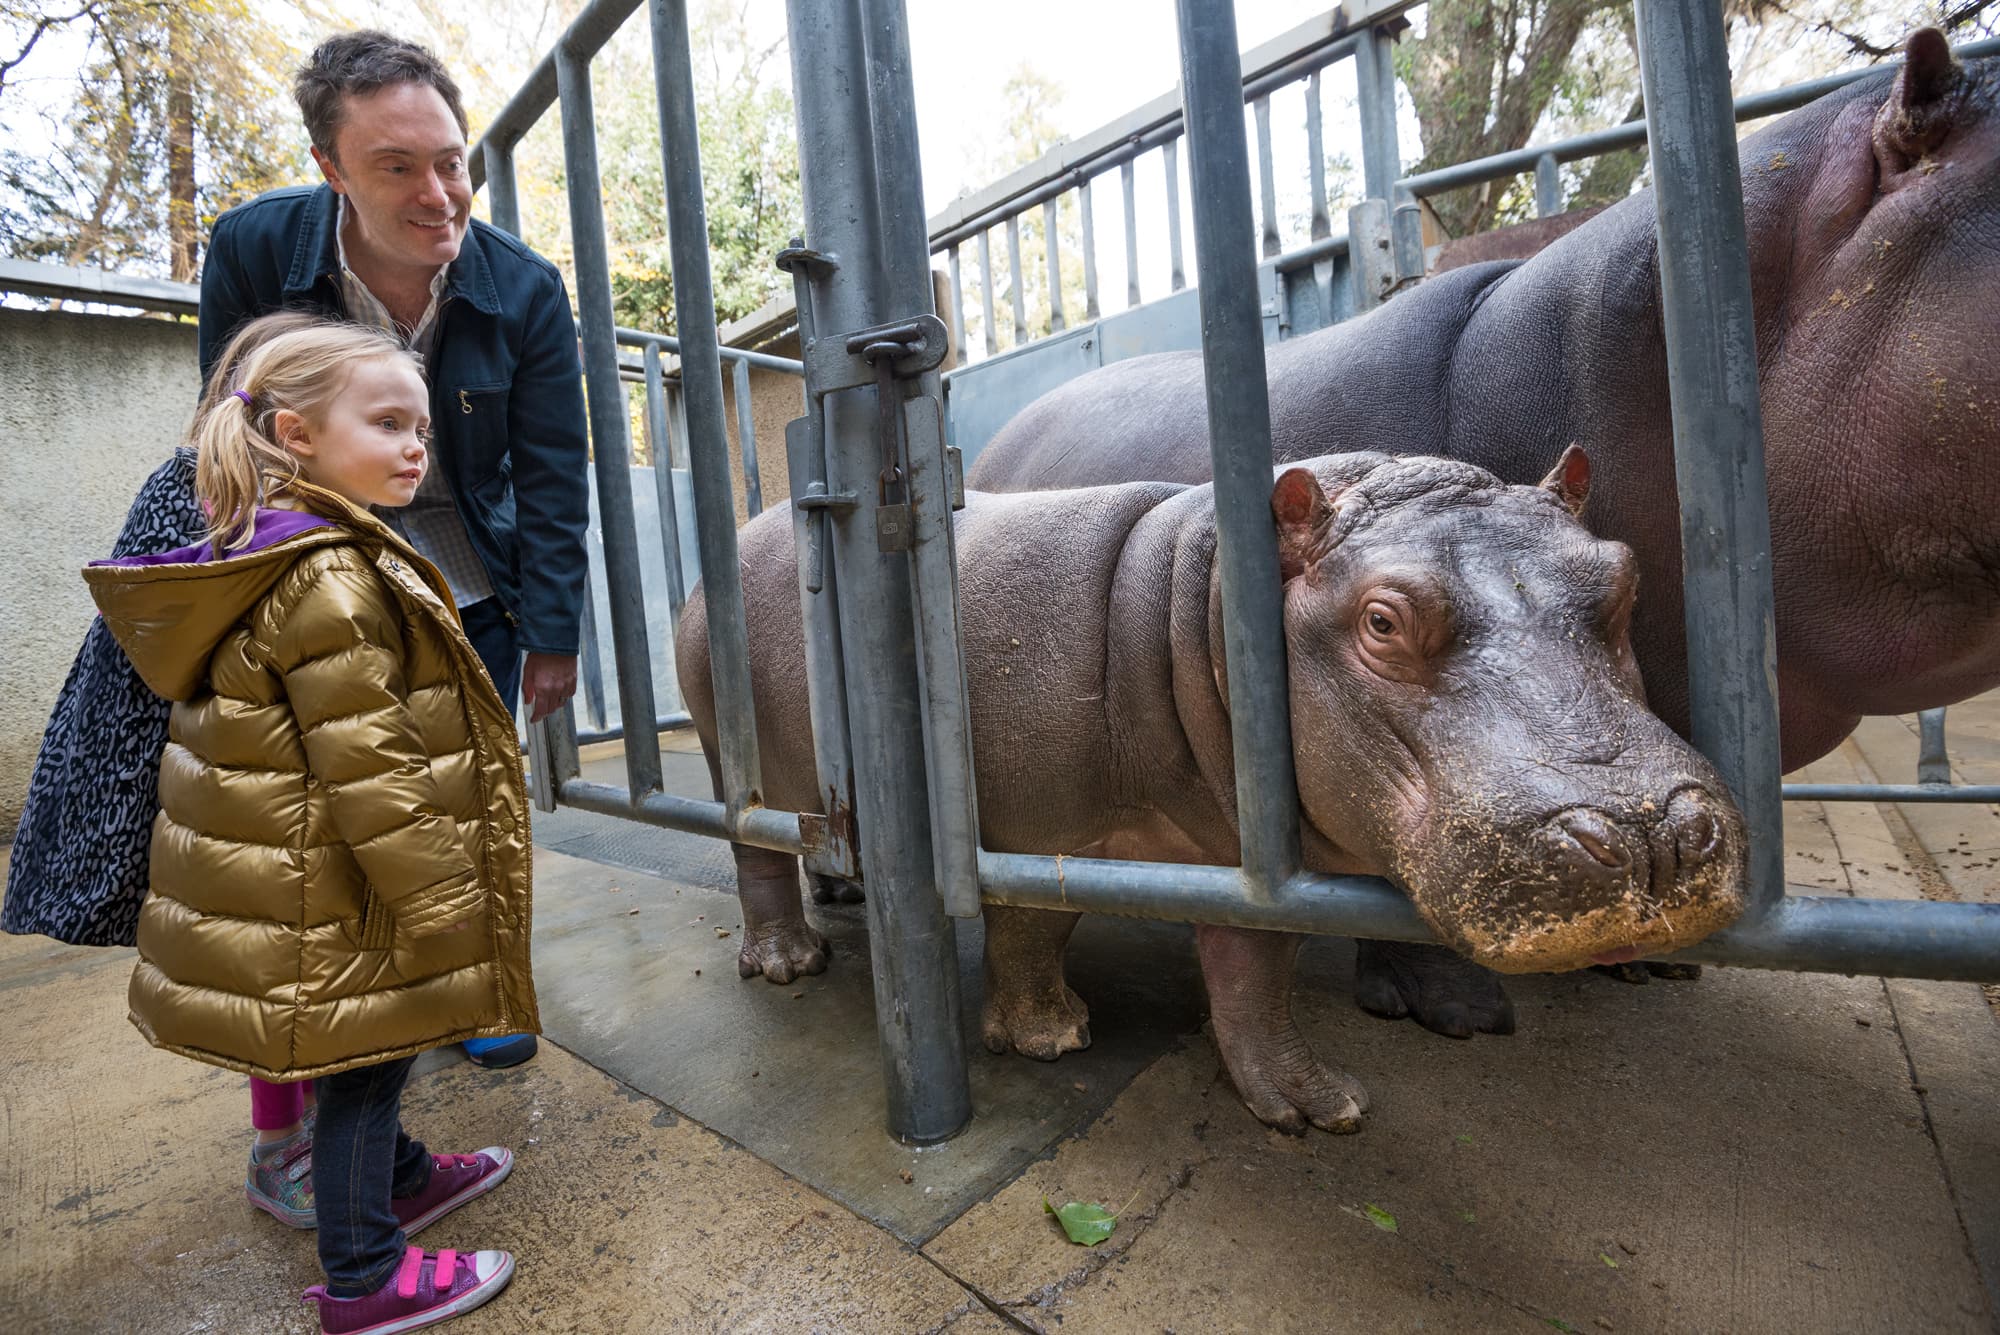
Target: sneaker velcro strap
[(408, 1272)]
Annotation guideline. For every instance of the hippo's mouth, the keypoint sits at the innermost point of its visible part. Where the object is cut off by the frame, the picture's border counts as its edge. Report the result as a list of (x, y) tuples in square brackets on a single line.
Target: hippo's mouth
[(1587, 887)]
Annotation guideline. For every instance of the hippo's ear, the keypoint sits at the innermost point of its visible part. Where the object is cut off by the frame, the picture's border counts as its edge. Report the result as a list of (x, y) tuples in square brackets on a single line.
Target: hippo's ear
[(1923, 105), (1304, 513), (1570, 479)]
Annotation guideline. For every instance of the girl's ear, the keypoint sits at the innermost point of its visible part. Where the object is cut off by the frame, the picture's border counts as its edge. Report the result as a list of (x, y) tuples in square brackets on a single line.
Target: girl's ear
[(290, 429)]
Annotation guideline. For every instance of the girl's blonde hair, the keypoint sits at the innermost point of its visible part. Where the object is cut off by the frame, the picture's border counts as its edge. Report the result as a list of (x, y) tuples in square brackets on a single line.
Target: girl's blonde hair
[(285, 361)]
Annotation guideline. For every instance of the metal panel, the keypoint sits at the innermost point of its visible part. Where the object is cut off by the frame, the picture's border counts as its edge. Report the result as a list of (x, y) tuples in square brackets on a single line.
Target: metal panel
[(986, 395), (1711, 337)]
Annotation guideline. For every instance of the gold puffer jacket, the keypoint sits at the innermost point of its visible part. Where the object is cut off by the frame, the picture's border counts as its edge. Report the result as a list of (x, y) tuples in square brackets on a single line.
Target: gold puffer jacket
[(340, 866)]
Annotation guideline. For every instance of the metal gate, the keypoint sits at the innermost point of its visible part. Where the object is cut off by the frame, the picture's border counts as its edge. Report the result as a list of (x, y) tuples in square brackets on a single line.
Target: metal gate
[(873, 483)]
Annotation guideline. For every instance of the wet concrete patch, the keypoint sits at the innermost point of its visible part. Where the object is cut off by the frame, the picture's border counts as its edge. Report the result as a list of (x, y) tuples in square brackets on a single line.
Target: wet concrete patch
[(635, 975)]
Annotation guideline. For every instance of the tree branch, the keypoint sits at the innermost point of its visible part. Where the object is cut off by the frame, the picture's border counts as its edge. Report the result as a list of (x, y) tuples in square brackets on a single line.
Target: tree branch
[(41, 27)]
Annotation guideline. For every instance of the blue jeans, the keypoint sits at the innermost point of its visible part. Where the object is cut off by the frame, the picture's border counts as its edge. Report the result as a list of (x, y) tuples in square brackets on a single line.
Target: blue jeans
[(493, 638), (362, 1157)]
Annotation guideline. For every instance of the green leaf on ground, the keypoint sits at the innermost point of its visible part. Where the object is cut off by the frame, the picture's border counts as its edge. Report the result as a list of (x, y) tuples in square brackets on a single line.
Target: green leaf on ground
[(1380, 1217), (1607, 1260), (1561, 1324), (1464, 1139), (1085, 1223), (1467, 1216)]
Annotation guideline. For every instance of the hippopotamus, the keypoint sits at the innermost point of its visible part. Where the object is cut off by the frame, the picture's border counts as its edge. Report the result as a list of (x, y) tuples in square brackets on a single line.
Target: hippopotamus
[(1873, 219), (1467, 714)]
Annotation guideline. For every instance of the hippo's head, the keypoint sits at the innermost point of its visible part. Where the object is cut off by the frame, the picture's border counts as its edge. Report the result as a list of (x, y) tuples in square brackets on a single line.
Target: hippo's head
[(1467, 713)]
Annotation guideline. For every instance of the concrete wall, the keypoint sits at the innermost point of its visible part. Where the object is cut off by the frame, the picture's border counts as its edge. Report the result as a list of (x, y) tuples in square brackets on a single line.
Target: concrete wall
[(92, 404)]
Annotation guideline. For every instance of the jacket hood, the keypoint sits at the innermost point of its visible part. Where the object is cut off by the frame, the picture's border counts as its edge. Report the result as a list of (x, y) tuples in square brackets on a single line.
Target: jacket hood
[(169, 610)]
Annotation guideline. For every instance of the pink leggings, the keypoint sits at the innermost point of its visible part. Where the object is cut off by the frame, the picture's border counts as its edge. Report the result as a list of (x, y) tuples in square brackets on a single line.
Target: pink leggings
[(275, 1107)]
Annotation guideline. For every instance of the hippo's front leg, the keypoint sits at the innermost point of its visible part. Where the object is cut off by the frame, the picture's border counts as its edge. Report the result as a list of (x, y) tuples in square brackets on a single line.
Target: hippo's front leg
[(1441, 990), (777, 941), (1249, 977), (1030, 1008)]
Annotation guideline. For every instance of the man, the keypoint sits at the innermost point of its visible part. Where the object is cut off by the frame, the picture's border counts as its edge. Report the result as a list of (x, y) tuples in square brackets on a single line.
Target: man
[(388, 240)]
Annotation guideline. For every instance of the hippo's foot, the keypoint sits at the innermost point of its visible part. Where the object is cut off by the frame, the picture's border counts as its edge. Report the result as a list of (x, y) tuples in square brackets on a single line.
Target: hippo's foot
[(777, 941), (1029, 1008), (1442, 991), (782, 951), (1274, 1069), (1043, 1025), (834, 889), (1641, 972)]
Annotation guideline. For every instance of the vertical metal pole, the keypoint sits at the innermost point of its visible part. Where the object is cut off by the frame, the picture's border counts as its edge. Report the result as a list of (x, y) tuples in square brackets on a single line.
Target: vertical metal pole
[(1127, 185), (1375, 88), (957, 320), (663, 482), (1054, 259), (1014, 278), (1090, 307), (1267, 178), (746, 439), (987, 315), (503, 203), (1548, 186), (611, 449), (1170, 154), (1322, 221), (1239, 425), (1933, 762), (855, 149), (552, 756), (701, 397), (1711, 338), (591, 657)]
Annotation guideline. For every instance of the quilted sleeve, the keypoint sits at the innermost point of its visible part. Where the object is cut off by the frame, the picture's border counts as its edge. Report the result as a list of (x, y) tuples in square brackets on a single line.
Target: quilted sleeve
[(339, 647)]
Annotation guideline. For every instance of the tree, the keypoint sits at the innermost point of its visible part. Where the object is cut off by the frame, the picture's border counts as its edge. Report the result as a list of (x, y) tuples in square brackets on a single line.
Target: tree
[(176, 113)]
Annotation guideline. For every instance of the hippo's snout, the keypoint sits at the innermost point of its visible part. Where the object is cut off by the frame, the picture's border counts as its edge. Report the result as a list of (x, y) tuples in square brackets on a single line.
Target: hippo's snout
[(1590, 884)]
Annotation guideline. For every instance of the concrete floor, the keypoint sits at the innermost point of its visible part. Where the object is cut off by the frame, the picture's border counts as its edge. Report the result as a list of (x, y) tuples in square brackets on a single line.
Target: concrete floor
[(1751, 1152)]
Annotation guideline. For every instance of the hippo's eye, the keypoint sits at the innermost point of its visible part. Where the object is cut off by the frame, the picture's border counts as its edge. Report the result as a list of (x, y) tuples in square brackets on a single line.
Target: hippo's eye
[(1380, 624)]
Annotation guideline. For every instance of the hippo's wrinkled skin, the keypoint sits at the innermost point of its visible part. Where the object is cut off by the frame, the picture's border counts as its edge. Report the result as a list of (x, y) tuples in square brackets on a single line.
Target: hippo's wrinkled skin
[(1874, 233), (1466, 709)]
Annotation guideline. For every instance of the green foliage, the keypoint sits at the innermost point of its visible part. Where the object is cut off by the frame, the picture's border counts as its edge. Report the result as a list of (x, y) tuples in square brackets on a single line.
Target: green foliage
[(1084, 1223), (95, 94)]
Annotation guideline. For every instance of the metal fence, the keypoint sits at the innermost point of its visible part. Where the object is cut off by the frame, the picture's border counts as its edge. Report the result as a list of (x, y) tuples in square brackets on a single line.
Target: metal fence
[(873, 482)]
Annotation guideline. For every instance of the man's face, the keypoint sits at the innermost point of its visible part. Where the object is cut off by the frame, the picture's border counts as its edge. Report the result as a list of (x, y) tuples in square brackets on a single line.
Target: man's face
[(400, 160)]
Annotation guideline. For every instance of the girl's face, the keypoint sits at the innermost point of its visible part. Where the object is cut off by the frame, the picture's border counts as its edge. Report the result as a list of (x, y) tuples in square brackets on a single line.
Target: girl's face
[(370, 446)]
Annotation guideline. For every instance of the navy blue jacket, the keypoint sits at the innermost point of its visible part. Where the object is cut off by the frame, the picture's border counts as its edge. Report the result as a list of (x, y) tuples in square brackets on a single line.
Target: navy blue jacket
[(507, 416)]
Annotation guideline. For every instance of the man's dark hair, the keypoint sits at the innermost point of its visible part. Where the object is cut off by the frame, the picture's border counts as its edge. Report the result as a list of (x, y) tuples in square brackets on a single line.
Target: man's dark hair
[(355, 64)]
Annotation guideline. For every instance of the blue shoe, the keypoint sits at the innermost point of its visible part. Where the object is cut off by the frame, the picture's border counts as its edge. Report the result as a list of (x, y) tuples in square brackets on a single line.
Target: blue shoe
[(497, 1053)]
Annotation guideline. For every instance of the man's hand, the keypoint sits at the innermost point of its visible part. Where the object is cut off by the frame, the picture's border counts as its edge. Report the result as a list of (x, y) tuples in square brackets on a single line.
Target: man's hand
[(547, 681)]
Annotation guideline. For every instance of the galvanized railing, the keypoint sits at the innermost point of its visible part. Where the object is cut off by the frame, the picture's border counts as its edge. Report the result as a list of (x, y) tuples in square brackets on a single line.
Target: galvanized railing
[(877, 568)]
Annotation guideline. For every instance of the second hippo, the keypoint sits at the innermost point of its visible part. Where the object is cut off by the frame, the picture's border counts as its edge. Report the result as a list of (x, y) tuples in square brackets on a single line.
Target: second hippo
[(1467, 720)]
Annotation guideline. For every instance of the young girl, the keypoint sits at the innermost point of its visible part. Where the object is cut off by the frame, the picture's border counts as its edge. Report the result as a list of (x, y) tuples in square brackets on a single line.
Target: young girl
[(339, 872), (79, 866)]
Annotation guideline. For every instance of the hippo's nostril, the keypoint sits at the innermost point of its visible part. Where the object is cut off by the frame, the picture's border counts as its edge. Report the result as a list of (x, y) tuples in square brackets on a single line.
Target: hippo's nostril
[(1696, 833), (1597, 837)]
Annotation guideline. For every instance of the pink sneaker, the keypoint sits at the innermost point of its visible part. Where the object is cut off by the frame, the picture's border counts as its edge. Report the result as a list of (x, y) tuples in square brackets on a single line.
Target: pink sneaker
[(455, 1179), (422, 1294)]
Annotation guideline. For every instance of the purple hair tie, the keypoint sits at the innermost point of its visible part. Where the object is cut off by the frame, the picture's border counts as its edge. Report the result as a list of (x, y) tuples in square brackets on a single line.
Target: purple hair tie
[(244, 395)]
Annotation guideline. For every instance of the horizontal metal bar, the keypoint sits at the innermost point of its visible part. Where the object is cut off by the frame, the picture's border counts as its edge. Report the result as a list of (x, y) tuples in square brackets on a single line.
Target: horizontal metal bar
[(760, 827), (1293, 55), (1892, 792), (1807, 933), (584, 37), (31, 278), (1632, 134), (1308, 255), (666, 723), (639, 338)]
